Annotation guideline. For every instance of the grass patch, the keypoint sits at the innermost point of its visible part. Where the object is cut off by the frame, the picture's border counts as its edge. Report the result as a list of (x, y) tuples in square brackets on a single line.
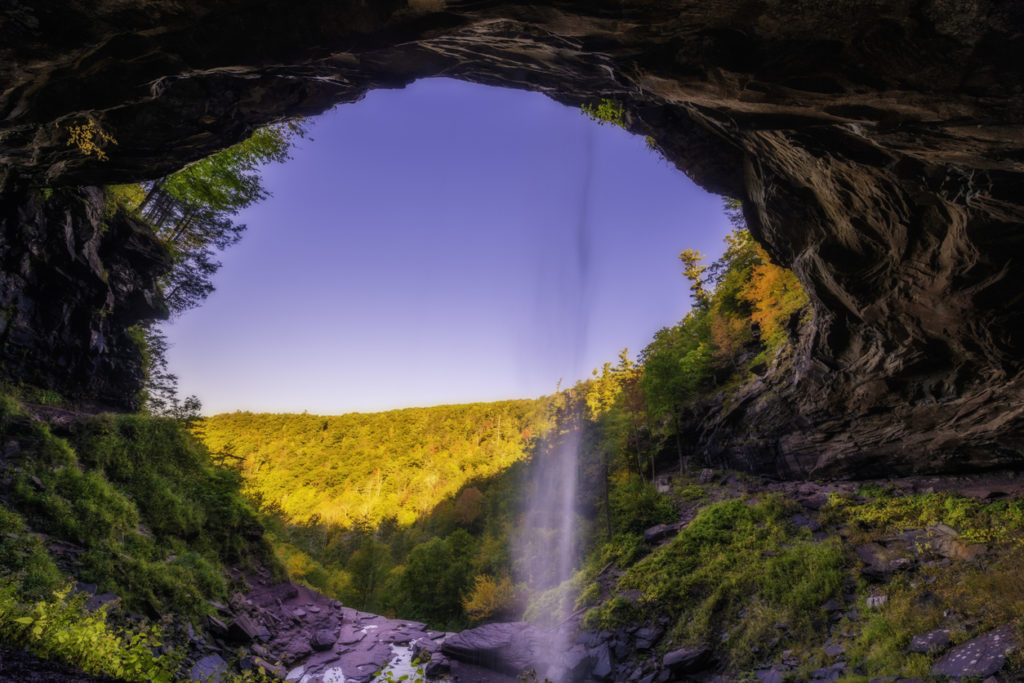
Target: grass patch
[(690, 493), (967, 598), (154, 521), (25, 564), (740, 575), (977, 521)]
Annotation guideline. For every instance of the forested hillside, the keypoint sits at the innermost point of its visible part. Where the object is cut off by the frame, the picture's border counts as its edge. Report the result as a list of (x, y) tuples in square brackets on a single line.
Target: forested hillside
[(361, 469)]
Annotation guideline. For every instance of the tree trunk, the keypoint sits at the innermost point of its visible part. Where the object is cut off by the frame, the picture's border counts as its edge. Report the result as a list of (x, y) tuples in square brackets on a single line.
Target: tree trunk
[(607, 497), (157, 184), (679, 442)]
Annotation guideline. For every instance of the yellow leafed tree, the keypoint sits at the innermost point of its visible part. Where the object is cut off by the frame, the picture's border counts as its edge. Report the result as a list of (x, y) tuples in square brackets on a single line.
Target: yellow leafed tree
[(775, 294)]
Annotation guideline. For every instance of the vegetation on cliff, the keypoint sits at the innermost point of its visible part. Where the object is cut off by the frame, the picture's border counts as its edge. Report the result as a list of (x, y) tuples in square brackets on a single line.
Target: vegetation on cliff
[(808, 579), (130, 504)]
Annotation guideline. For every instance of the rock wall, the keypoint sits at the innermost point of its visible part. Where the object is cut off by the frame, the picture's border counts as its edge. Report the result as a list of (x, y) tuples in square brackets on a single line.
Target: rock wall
[(72, 281), (803, 418), (878, 146)]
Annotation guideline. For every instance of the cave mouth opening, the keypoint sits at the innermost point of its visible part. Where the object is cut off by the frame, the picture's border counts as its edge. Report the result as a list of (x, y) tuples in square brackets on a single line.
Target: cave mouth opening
[(446, 242), (877, 152)]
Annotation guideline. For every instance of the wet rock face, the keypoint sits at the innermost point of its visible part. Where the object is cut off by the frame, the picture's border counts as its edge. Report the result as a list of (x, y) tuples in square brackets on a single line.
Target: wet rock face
[(879, 146), (72, 281)]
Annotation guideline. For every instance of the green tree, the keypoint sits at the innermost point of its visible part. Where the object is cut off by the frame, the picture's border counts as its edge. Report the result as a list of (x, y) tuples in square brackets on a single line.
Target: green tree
[(436, 576), (694, 272), (192, 212), (368, 567), (160, 393)]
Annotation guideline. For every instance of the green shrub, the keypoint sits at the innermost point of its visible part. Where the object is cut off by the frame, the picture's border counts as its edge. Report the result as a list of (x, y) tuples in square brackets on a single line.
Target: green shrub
[(589, 596), (25, 565), (690, 493), (605, 112), (976, 520), (637, 505), (623, 550), (60, 628), (614, 613), (156, 521)]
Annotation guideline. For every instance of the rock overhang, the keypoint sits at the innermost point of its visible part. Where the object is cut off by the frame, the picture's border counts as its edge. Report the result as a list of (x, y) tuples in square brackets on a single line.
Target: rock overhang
[(878, 148)]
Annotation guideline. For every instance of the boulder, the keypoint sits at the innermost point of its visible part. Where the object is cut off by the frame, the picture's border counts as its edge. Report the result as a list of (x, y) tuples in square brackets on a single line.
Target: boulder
[(244, 629), (647, 637), (437, 666), (947, 542), (832, 606), (209, 668), (575, 665), (931, 642), (108, 600), (882, 561), (506, 647), (814, 501), (602, 670), (805, 522), (660, 532), (273, 669), (982, 656), (324, 639), (706, 476)]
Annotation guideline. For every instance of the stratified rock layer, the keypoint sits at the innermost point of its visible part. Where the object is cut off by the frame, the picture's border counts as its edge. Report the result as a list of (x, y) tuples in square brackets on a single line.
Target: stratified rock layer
[(72, 282), (878, 145)]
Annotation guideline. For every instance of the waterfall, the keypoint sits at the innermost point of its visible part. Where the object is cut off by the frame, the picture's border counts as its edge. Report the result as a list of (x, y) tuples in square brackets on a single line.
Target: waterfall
[(546, 548), (547, 545)]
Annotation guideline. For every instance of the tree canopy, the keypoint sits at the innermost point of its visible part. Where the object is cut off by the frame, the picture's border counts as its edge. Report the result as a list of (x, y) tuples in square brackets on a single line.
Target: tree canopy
[(192, 213)]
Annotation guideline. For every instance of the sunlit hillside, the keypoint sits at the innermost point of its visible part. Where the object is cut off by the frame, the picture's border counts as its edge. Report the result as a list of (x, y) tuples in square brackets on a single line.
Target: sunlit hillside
[(362, 468)]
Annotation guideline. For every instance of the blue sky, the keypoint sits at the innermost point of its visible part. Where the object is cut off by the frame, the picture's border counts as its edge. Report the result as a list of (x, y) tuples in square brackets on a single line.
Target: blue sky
[(444, 243)]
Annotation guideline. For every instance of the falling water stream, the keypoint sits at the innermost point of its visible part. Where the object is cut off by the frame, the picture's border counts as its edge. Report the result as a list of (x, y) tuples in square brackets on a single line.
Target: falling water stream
[(547, 547)]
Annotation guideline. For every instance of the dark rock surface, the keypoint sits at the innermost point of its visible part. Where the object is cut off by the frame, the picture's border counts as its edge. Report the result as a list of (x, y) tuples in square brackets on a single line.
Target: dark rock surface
[(687, 660), (878, 147), (314, 636), (71, 282), (18, 665), (506, 647), (982, 656), (881, 561), (931, 642), (661, 532), (210, 667)]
